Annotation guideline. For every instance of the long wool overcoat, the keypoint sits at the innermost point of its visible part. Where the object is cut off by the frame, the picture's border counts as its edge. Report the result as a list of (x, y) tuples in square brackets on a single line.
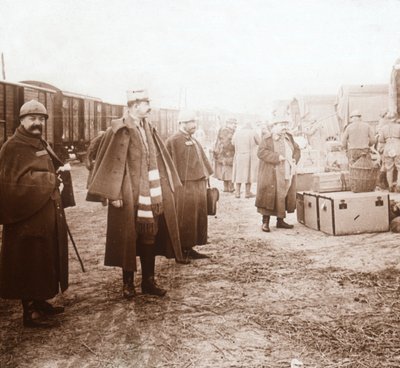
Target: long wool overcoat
[(34, 252), (245, 161), (193, 169), (115, 176), (271, 176)]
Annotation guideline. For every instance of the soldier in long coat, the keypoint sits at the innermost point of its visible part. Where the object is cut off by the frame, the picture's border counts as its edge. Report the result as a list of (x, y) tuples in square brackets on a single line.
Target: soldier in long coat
[(92, 152), (34, 253), (134, 171), (276, 183), (224, 151), (194, 170), (245, 162), (389, 137)]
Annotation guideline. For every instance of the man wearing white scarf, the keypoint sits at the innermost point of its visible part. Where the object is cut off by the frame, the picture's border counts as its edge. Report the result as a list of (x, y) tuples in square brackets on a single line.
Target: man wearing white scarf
[(276, 188)]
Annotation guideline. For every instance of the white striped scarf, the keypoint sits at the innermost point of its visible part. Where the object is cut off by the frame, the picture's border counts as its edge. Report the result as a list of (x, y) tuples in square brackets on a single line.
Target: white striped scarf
[(150, 195)]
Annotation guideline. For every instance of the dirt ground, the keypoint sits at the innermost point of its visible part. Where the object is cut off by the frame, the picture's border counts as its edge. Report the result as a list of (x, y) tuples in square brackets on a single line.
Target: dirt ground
[(259, 301)]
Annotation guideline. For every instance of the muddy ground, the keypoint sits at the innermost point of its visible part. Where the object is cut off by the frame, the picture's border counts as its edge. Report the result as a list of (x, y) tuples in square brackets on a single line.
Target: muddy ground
[(259, 301)]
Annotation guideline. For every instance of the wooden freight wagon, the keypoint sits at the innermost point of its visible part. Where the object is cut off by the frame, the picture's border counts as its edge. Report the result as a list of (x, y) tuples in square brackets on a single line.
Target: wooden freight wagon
[(165, 121), (13, 96)]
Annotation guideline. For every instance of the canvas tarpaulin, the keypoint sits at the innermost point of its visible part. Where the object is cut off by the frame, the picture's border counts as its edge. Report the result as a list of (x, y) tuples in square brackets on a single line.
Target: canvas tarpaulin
[(370, 100)]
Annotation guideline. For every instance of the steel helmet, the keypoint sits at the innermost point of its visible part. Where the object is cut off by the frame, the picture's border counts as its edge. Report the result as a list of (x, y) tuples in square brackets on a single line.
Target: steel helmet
[(186, 116), (355, 113), (33, 107)]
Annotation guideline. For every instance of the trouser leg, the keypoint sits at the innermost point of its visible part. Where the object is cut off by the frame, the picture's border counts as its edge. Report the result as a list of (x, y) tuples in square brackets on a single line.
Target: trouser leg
[(237, 190), (389, 177), (147, 261), (226, 186), (128, 288), (249, 194)]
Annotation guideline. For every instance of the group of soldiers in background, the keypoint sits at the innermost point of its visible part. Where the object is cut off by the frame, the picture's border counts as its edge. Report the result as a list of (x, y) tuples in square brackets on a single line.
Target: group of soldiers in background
[(359, 139), (245, 156)]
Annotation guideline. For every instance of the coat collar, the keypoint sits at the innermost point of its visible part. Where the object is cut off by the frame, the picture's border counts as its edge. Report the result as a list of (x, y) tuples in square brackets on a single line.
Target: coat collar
[(185, 134), (27, 138), (127, 121)]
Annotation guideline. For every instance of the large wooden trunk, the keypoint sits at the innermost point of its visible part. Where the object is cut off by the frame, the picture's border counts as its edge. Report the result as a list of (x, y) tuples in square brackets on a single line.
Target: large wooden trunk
[(311, 210), (300, 207), (331, 182), (347, 213)]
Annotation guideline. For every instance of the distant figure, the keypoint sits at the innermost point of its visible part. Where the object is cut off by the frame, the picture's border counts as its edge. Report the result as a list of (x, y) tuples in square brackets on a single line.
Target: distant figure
[(276, 183), (200, 136), (390, 137), (245, 162), (384, 119), (34, 252), (357, 138), (92, 152), (314, 133), (193, 169), (223, 154)]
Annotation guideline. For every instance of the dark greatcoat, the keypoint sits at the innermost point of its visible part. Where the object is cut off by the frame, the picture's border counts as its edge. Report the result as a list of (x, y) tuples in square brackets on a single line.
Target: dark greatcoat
[(91, 155), (224, 151), (116, 176), (269, 182), (34, 253), (193, 169)]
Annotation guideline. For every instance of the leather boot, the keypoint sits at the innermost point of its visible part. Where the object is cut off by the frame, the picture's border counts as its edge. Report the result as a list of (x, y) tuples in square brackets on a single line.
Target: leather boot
[(265, 225), (249, 194), (32, 318), (282, 224), (237, 190), (128, 288), (231, 187), (148, 261), (46, 308), (226, 186)]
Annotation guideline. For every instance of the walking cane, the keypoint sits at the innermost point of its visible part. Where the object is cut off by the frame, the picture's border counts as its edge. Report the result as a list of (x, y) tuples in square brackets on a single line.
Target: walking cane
[(75, 248)]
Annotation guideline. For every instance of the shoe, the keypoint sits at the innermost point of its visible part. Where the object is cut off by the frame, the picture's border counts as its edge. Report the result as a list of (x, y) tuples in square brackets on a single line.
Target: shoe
[(237, 195), (283, 225), (150, 287), (265, 227), (29, 321), (196, 255), (32, 323), (128, 291), (183, 261), (250, 195), (46, 308)]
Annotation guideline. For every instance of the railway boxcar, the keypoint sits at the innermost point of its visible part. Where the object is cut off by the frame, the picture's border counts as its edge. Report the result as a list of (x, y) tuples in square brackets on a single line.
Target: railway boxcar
[(13, 96), (165, 121), (78, 119)]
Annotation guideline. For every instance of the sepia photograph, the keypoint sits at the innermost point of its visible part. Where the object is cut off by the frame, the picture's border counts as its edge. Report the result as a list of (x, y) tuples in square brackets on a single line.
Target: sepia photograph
[(194, 184)]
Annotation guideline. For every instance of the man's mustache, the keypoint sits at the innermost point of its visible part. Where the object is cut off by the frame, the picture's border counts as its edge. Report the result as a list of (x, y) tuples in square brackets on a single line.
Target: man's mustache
[(38, 127)]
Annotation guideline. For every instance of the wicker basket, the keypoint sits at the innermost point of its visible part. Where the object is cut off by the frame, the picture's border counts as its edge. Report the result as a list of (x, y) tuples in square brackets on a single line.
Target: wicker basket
[(363, 175)]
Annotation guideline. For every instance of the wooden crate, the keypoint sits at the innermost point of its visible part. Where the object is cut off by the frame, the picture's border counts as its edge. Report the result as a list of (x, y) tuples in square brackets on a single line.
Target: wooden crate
[(331, 182)]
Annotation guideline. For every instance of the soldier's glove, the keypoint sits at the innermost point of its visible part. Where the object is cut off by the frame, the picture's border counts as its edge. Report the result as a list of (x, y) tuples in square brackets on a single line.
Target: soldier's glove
[(117, 204), (59, 182)]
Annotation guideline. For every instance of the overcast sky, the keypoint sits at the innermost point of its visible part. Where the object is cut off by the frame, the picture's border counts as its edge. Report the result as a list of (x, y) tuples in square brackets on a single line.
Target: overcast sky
[(232, 54)]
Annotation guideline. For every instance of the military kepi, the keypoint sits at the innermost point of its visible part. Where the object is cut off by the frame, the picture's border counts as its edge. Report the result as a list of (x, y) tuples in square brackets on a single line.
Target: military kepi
[(138, 95)]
